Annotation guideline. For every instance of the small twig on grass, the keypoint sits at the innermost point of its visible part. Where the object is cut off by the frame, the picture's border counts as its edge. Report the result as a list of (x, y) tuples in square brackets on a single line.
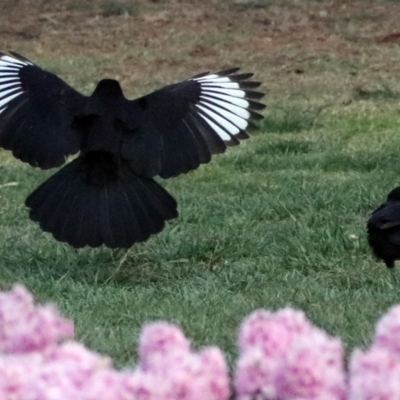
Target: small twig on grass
[(9, 184)]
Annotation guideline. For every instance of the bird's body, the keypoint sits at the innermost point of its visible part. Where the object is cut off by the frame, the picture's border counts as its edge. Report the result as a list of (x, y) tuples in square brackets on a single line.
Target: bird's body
[(107, 195), (384, 229)]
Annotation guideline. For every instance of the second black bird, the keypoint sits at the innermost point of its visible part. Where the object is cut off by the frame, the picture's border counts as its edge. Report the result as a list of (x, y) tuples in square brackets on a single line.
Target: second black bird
[(384, 229)]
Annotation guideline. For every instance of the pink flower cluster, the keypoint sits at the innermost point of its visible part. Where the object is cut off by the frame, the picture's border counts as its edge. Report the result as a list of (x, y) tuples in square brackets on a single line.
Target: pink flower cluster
[(24, 327), (283, 356), (34, 365), (375, 374), (175, 371)]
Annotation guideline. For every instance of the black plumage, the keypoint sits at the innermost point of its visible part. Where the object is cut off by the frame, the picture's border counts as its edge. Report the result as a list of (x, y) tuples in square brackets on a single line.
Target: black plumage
[(384, 229), (108, 195)]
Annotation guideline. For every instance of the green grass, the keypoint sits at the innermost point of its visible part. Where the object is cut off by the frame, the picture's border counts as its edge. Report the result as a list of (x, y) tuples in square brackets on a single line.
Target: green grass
[(291, 119), (277, 221)]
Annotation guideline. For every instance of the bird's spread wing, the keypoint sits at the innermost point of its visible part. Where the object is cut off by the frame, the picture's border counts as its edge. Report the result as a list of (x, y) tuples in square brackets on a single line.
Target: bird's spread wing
[(36, 112), (177, 128), (386, 216)]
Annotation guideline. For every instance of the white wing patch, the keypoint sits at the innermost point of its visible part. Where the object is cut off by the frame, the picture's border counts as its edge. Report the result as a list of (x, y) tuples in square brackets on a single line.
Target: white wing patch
[(12, 60), (10, 83), (223, 105)]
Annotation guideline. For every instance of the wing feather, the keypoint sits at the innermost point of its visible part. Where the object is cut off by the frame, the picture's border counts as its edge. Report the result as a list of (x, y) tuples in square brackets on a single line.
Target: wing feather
[(175, 129), (37, 110)]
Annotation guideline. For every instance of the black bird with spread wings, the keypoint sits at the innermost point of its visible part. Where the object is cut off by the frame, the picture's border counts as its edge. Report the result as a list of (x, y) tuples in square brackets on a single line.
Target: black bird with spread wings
[(107, 195), (384, 229)]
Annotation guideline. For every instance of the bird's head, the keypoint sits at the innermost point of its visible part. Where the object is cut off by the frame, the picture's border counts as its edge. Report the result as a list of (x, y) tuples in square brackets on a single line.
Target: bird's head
[(108, 88), (394, 195)]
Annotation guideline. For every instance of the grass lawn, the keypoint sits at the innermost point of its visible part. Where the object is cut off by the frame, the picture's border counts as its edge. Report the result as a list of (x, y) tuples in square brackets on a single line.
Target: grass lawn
[(278, 221)]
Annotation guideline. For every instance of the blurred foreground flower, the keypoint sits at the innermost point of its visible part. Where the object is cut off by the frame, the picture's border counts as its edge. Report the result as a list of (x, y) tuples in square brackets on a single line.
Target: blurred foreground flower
[(282, 357), (34, 365), (285, 357), (375, 373), (26, 327)]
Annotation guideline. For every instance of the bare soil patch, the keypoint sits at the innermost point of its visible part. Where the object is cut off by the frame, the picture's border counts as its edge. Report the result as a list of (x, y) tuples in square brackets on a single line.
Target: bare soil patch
[(322, 48)]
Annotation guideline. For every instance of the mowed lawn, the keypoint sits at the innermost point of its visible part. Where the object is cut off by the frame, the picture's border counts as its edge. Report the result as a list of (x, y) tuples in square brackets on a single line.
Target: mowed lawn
[(277, 221)]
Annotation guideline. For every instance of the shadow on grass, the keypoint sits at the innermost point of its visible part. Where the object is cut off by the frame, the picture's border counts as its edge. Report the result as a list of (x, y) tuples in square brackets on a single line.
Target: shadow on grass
[(56, 263)]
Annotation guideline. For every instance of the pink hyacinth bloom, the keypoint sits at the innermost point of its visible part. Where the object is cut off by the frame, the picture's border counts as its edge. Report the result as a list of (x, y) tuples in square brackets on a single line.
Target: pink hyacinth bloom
[(26, 327), (191, 376), (374, 375), (262, 330), (58, 372), (182, 382), (284, 356), (214, 371), (264, 337), (387, 332), (125, 385), (311, 369), (159, 339), (272, 332), (294, 320), (15, 371), (165, 354), (78, 364), (255, 375), (202, 376)]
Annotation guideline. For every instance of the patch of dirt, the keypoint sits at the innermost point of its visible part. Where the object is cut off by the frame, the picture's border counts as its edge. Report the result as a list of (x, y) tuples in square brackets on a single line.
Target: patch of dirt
[(289, 44)]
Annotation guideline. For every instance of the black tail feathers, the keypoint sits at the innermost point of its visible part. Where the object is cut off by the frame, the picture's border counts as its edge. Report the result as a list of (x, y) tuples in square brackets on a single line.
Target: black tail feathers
[(115, 212)]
